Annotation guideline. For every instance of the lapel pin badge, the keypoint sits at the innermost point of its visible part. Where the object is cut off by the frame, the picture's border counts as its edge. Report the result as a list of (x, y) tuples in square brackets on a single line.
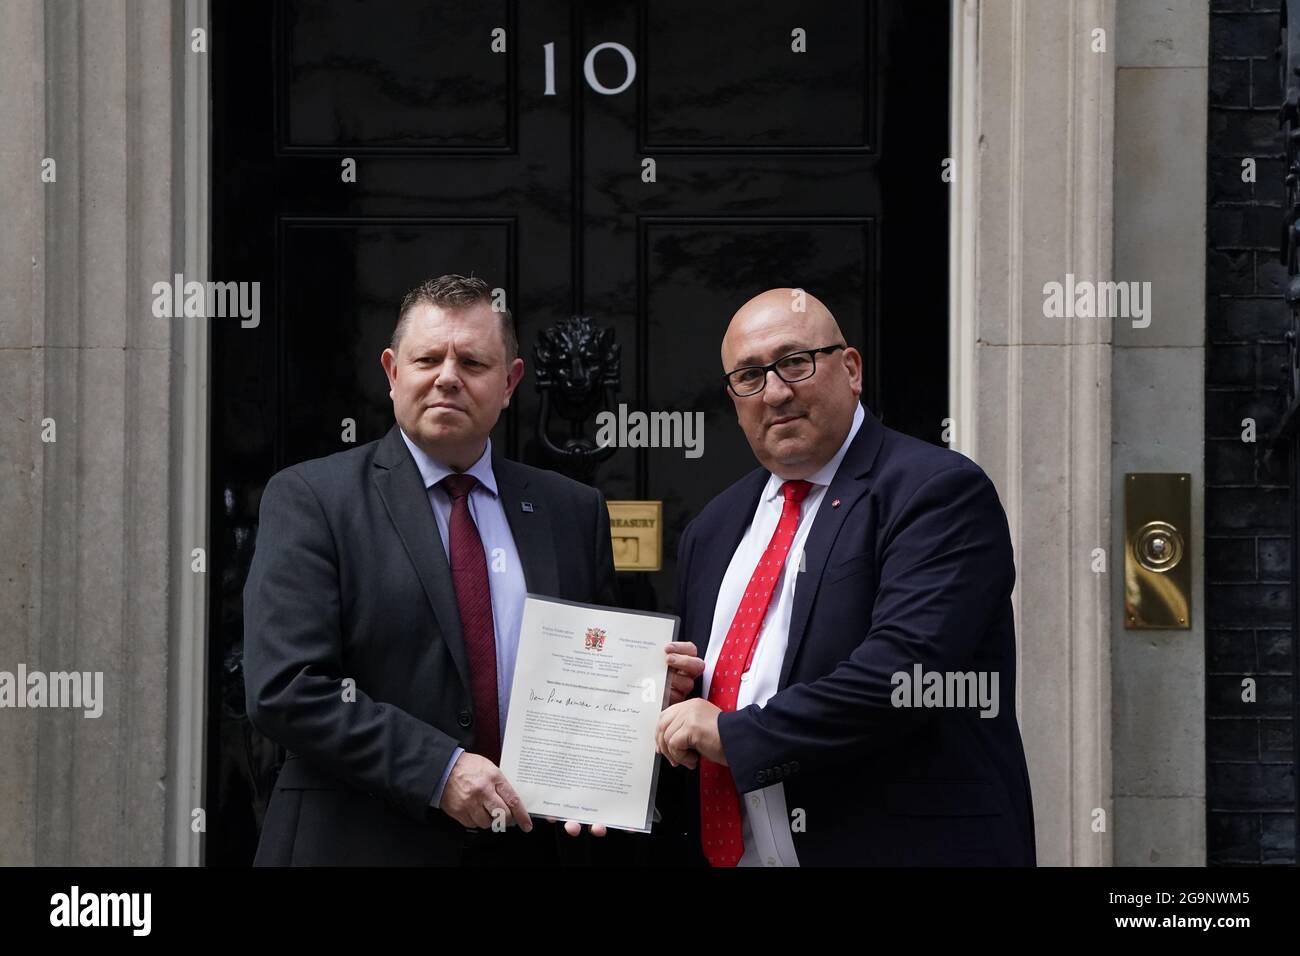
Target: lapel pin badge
[(835, 503), (526, 506)]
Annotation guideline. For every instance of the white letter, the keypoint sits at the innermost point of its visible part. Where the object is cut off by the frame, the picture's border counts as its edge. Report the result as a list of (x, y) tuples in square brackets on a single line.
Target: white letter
[(605, 428), (1053, 297), (989, 702), (902, 695), (59, 915), (255, 294), (694, 434), (94, 701), (162, 301), (145, 922), (1141, 295)]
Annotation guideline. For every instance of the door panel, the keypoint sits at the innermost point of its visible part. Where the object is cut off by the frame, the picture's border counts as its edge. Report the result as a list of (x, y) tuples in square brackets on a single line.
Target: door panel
[(723, 75), (391, 74)]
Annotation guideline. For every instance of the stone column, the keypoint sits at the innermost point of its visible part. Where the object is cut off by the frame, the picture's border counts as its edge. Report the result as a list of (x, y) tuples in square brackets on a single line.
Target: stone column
[(1033, 113), (98, 524)]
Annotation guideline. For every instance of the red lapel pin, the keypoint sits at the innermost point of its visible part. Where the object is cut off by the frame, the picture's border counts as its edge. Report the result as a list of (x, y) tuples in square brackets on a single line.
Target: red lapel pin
[(835, 503)]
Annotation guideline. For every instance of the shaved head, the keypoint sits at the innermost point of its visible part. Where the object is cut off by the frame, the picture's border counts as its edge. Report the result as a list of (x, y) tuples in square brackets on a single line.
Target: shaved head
[(793, 428), (775, 311)]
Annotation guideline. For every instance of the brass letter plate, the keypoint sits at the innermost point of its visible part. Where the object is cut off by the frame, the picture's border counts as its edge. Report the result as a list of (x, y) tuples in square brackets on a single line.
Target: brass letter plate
[(636, 531), (1157, 551)]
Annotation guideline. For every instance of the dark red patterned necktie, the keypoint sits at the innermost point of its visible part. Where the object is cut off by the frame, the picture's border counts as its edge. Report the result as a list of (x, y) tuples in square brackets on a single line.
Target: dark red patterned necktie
[(469, 575), (720, 832)]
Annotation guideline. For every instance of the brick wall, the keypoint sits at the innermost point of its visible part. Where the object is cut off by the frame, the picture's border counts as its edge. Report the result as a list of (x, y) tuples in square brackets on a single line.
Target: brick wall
[(1250, 773)]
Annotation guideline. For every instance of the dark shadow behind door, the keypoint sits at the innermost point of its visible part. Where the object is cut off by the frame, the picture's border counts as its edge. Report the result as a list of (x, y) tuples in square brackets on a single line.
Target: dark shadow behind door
[(819, 169)]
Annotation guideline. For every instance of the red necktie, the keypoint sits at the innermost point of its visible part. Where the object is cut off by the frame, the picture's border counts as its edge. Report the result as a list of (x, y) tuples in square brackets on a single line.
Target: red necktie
[(720, 831), (469, 576)]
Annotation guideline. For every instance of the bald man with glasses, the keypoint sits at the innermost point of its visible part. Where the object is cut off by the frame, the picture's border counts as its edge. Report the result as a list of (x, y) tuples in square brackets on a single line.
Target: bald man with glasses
[(852, 561)]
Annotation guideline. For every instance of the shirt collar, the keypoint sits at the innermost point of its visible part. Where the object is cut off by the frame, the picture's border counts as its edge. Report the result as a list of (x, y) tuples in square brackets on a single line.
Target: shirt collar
[(824, 474), (434, 471)]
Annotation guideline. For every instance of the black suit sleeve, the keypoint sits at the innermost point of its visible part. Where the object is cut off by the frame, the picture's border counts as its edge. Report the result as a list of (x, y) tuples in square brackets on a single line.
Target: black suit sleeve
[(946, 566), (293, 671)]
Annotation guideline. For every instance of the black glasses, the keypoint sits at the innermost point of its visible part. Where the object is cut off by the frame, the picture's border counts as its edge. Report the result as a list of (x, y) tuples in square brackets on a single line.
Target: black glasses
[(795, 367)]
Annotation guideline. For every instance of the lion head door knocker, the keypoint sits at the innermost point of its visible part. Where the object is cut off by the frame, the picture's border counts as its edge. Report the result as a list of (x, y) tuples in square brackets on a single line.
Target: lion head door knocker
[(578, 369)]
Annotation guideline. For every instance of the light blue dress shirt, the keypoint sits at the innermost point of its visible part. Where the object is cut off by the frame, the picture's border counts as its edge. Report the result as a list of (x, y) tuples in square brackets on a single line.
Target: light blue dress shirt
[(505, 572)]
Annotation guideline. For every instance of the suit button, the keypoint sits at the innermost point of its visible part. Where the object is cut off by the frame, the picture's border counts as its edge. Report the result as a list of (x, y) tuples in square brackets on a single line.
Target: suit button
[(761, 776), (465, 718), (794, 766)]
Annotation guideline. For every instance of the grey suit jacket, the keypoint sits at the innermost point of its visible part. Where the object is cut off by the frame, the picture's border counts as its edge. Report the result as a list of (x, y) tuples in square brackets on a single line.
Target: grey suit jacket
[(350, 582)]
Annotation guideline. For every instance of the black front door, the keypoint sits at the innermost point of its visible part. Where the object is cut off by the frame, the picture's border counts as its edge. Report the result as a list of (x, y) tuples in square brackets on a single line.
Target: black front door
[(362, 147)]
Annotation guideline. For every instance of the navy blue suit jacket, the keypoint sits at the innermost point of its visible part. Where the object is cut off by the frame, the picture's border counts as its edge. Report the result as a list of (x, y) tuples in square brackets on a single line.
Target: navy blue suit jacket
[(914, 566)]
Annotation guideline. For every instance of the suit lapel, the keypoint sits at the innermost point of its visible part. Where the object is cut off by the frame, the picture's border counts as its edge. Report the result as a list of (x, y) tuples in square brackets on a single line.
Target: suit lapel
[(402, 490), (530, 526), (719, 547), (848, 485)]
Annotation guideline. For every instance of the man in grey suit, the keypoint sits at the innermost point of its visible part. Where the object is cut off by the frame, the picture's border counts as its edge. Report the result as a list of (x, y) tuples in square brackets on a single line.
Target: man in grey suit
[(383, 605)]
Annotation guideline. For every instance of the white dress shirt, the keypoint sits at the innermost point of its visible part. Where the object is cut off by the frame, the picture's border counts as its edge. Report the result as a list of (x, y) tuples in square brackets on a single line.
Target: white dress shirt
[(765, 819)]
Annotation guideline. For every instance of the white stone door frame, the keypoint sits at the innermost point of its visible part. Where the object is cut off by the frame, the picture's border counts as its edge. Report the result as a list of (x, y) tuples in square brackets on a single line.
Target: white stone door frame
[(1032, 112), (1049, 458), (102, 525), (1031, 201), (187, 734)]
